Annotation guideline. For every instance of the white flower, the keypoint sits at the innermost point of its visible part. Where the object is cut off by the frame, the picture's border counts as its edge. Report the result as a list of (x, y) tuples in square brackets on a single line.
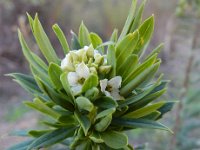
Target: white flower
[(77, 78), (111, 88), (66, 63)]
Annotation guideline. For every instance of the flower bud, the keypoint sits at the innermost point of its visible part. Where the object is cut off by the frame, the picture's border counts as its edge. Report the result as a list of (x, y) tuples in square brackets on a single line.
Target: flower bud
[(105, 69)]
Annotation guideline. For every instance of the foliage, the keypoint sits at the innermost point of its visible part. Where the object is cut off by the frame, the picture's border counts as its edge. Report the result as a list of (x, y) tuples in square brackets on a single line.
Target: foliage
[(98, 90)]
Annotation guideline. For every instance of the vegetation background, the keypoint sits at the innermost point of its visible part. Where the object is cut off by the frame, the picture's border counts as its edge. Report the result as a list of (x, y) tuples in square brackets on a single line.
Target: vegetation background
[(177, 25)]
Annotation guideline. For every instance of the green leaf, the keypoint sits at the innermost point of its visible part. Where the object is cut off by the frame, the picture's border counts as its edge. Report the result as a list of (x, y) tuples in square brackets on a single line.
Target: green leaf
[(39, 61), (43, 42), (145, 32), (92, 94), (44, 76), (147, 99), (139, 123), (156, 50), (140, 68), (67, 120), (38, 133), (84, 122), (138, 18), (51, 138), (21, 146), (127, 89), (105, 103), (114, 139), (66, 86), (27, 82), (84, 104), (105, 113), (166, 108), (90, 82), (103, 124), (63, 41), (54, 74), (114, 36), (75, 45), (135, 98), (144, 110), (108, 43), (129, 20), (126, 47), (62, 100), (84, 35), (40, 106), (96, 137), (111, 58), (96, 41), (152, 116), (30, 57), (131, 63), (31, 21)]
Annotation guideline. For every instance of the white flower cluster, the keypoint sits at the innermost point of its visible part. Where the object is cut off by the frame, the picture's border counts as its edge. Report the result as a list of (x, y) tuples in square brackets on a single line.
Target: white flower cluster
[(80, 64)]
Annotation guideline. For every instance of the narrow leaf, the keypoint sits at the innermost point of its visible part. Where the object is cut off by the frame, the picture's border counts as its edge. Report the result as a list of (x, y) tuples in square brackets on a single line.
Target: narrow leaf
[(61, 37), (43, 42), (84, 35), (54, 74)]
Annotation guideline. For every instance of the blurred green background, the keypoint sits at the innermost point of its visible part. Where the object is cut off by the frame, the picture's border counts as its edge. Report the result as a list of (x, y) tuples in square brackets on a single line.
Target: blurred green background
[(177, 25)]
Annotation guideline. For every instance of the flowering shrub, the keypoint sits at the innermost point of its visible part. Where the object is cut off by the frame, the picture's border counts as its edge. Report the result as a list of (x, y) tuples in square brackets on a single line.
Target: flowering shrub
[(98, 90)]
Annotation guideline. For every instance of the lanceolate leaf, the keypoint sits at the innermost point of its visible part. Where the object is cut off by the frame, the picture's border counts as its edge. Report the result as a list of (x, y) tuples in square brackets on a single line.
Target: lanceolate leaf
[(66, 86), (51, 138), (111, 57), (128, 66), (138, 18), (129, 20), (84, 122), (126, 90), (145, 32), (126, 47), (148, 63), (28, 54), (144, 110), (63, 101), (96, 41), (27, 82), (114, 139), (75, 42), (21, 146), (84, 35), (147, 99), (43, 108), (55, 73), (43, 42), (63, 41), (139, 123)]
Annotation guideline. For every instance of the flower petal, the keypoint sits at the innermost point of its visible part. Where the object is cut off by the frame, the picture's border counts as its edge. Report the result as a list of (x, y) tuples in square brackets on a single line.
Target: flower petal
[(115, 82), (73, 78), (76, 89), (103, 85), (66, 63), (83, 70), (85, 48), (115, 94)]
